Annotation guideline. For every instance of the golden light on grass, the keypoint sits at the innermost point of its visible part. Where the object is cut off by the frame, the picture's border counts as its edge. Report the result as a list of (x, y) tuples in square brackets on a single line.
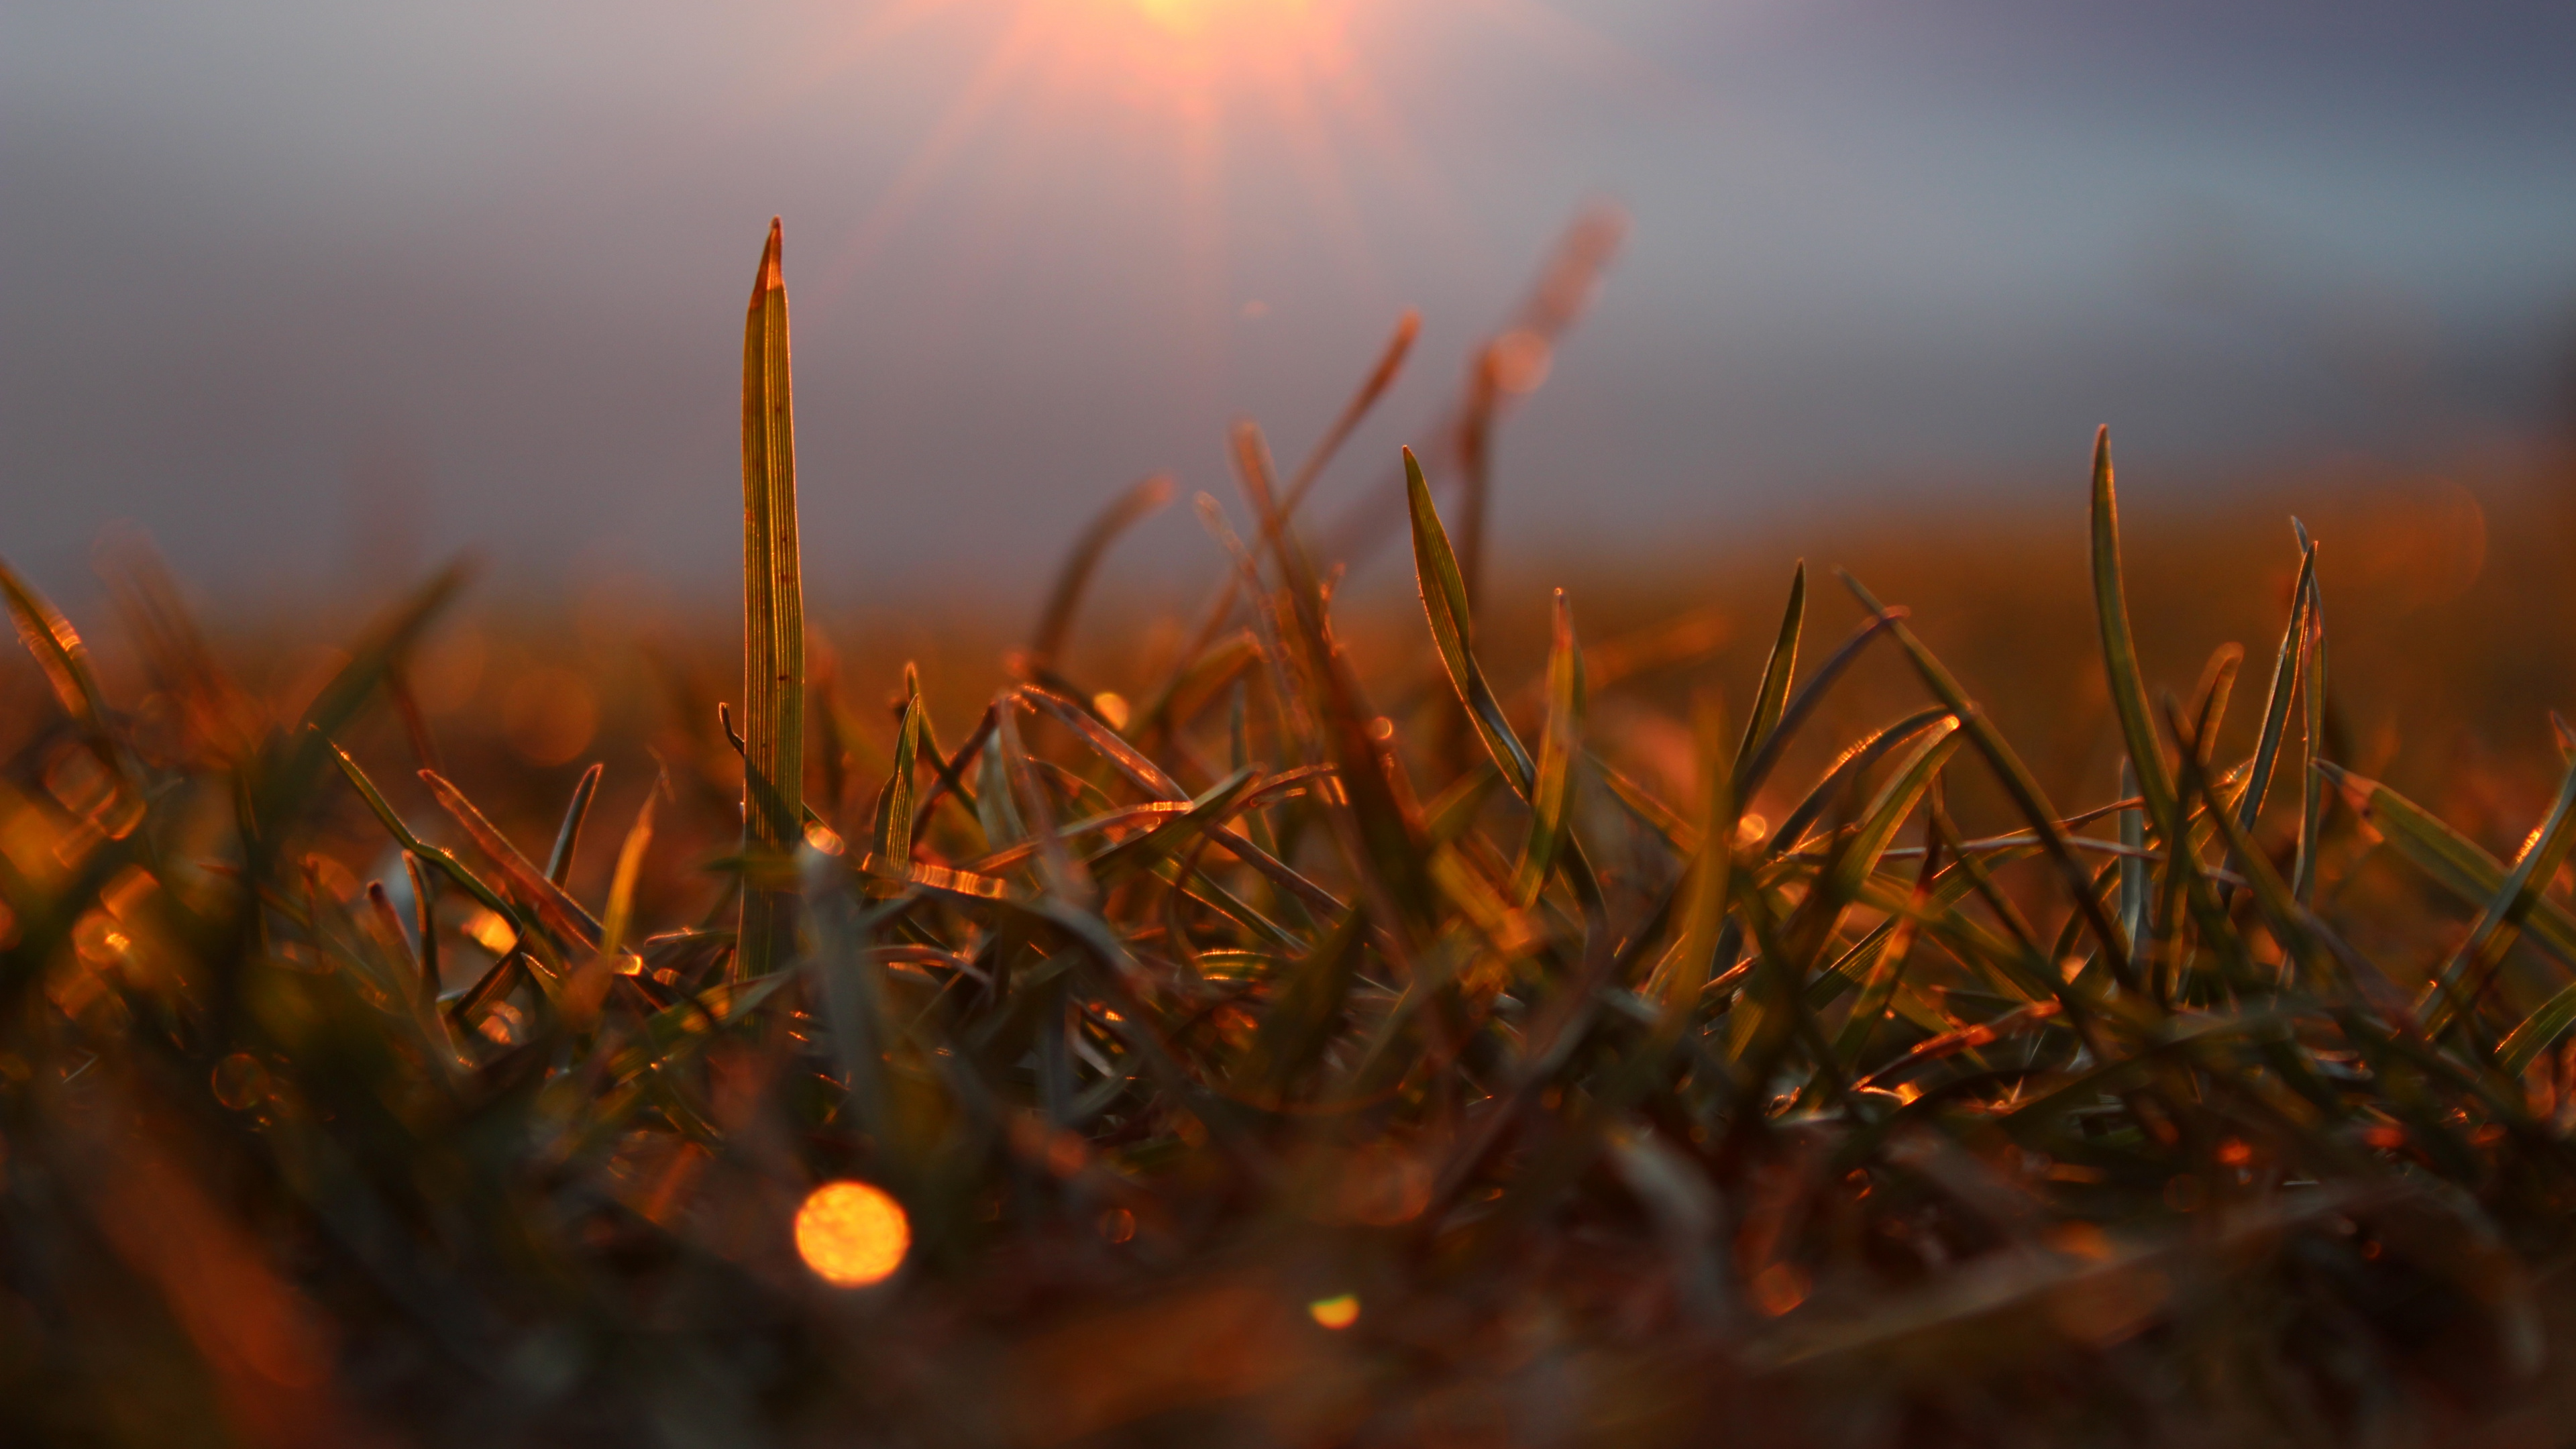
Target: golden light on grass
[(852, 1234), (1336, 1313)]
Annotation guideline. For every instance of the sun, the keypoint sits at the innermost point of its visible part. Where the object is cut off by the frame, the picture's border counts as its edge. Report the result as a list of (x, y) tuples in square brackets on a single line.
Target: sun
[(1172, 89)]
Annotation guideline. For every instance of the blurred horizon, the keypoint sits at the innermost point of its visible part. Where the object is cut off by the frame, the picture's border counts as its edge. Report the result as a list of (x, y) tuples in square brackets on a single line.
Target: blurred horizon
[(315, 296)]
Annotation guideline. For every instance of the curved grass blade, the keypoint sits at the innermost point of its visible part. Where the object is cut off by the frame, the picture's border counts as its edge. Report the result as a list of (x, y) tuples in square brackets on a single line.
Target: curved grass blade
[(2454, 990), (1773, 696), (1559, 747), (2019, 784), (894, 806), (2313, 667), (568, 835), (2276, 708), (1444, 601), (2120, 649), (2453, 860)]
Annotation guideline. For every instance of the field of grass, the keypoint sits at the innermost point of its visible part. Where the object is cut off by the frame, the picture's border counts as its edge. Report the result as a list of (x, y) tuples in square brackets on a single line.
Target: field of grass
[(1707, 1004)]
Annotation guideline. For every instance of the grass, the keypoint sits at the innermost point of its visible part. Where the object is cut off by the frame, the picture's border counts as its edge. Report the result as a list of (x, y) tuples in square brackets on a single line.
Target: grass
[(1361, 1030)]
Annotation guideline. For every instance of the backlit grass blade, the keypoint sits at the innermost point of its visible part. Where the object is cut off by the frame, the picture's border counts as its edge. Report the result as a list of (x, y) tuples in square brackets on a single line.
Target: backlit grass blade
[(1380, 836), (1777, 673), (2120, 649), (568, 835), (2538, 1032), (1560, 745), (2312, 650), (2285, 683), (2450, 858), (2018, 783), (893, 825), (773, 631), (1706, 885), (522, 878), (1444, 600), (2454, 990), (1895, 802)]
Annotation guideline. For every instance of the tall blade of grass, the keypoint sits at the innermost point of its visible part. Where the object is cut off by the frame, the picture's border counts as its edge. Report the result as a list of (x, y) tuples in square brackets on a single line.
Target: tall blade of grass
[(568, 835), (2018, 784), (1706, 887), (1381, 839), (1560, 744), (1055, 622), (2285, 683), (2454, 990), (424, 908), (2312, 648), (773, 631), (1444, 600), (1381, 377), (894, 807), (1390, 361), (589, 988), (1777, 672), (2120, 649), (2134, 877)]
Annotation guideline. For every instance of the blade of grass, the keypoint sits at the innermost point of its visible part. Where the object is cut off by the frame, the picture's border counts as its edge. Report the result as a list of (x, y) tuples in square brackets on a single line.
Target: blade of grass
[(568, 835), (1777, 672), (1444, 601), (2120, 650), (2454, 990), (1559, 747), (773, 617), (2019, 784)]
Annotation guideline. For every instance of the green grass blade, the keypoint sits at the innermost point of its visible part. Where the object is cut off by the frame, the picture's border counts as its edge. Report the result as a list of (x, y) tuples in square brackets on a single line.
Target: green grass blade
[(2456, 987), (773, 631), (2276, 708), (568, 835), (1560, 745), (894, 805), (2312, 648), (2120, 649), (1444, 600), (2019, 785), (1777, 672), (2453, 860)]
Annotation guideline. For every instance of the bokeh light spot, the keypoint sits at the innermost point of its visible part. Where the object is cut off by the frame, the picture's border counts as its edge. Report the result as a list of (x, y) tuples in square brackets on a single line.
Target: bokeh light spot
[(852, 1234), (1336, 1313)]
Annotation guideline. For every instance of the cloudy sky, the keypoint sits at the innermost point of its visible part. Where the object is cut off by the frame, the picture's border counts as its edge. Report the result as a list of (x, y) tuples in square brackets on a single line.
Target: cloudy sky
[(310, 290)]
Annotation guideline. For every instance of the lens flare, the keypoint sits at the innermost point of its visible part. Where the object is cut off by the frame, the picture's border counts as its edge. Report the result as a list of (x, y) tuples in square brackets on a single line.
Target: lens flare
[(1336, 1313), (852, 1234)]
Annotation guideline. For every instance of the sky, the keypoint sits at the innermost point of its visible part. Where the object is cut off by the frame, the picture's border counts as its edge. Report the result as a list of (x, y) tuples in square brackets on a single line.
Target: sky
[(322, 293)]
